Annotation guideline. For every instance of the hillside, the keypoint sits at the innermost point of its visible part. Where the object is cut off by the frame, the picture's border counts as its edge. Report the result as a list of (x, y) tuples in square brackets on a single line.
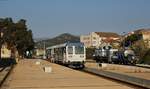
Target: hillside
[(62, 38), (40, 39)]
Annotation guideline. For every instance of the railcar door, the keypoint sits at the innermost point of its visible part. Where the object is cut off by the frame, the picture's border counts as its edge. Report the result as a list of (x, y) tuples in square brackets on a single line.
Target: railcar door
[(69, 53)]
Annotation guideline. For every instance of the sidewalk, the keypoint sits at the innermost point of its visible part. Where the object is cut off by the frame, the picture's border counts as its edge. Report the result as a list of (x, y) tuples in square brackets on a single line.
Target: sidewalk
[(28, 75)]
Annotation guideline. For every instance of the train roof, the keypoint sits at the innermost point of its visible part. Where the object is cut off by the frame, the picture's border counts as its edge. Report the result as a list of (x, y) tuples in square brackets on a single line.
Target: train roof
[(66, 44)]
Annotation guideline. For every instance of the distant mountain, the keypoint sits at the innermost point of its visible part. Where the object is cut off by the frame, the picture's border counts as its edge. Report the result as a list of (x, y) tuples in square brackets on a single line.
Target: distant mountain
[(62, 38), (40, 39)]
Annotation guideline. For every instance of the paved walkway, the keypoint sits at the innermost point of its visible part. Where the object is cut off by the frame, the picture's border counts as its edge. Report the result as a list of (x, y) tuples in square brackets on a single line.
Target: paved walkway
[(28, 75)]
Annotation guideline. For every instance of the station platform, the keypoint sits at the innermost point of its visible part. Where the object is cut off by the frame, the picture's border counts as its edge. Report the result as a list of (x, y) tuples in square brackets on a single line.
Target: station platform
[(28, 74)]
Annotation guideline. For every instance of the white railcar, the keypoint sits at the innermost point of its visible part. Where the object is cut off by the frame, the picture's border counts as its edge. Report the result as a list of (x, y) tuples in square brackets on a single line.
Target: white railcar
[(71, 54)]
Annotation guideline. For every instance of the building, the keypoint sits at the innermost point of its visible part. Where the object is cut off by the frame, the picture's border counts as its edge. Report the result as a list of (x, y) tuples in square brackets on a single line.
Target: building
[(144, 34), (86, 39), (5, 52), (39, 52), (98, 39)]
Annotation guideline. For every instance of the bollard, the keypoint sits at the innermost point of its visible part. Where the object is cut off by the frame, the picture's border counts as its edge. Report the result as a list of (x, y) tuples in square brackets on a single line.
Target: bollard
[(37, 63), (104, 66), (48, 69)]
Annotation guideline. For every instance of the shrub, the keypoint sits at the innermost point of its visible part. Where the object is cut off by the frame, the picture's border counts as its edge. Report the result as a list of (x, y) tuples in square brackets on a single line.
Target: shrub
[(146, 58)]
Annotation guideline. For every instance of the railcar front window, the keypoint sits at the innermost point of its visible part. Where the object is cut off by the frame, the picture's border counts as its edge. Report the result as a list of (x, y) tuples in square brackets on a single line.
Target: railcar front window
[(79, 50), (70, 50)]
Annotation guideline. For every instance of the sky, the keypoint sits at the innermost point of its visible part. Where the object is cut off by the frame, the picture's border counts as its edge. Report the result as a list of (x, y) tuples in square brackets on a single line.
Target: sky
[(49, 18)]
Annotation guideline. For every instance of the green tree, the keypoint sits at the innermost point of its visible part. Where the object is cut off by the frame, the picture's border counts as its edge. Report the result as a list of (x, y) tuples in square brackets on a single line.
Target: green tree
[(5, 26), (140, 49), (16, 35), (131, 39), (23, 39)]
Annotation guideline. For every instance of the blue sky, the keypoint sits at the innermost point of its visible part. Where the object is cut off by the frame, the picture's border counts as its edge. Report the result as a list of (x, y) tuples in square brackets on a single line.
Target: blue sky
[(49, 18)]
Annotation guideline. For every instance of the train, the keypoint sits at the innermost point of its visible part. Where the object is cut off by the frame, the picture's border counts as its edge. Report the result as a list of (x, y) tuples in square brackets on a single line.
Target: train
[(72, 54), (108, 55)]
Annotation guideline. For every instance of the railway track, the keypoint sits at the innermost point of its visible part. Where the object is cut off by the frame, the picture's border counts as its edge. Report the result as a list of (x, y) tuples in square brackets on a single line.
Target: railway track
[(4, 73), (2, 69)]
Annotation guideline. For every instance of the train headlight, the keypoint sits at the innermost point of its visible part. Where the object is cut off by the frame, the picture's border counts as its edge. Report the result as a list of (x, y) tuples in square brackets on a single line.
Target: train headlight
[(93, 55), (133, 57)]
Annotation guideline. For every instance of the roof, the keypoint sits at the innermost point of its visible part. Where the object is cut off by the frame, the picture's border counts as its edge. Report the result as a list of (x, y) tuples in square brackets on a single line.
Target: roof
[(107, 34), (142, 31), (56, 46), (66, 44), (110, 40)]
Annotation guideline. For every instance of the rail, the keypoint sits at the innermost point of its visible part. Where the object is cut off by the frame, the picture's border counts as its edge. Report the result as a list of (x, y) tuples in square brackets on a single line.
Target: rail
[(7, 71)]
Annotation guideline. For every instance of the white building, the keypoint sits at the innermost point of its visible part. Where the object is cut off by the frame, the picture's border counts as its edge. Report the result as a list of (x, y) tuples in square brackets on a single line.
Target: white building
[(98, 39)]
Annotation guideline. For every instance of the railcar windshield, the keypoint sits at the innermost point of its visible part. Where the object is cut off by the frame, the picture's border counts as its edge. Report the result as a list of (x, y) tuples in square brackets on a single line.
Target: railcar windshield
[(70, 50), (79, 50)]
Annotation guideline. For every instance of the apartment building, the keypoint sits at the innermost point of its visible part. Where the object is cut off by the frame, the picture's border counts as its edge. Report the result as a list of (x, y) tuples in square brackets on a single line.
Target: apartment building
[(98, 39)]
